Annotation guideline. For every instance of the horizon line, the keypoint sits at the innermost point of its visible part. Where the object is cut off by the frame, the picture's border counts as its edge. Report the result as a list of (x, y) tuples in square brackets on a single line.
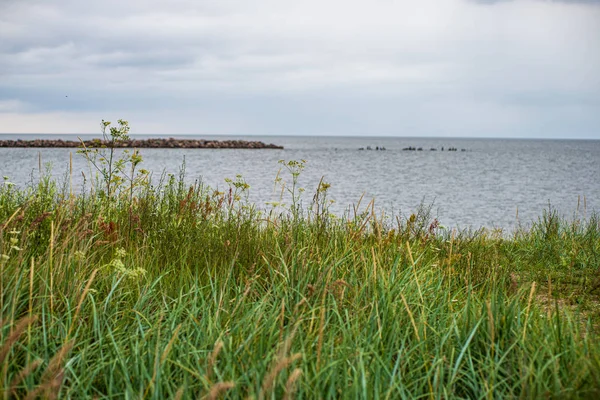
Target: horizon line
[(314, 136)]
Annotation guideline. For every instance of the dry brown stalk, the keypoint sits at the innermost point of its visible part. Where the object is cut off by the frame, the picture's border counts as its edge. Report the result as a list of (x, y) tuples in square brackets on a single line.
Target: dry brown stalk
[(290, 385), (281, 319), (410, 314), (338, 288), (514, 282), (356, 233), (451, 248), (167, 349), (321, 331), (549, 293), (272, 376), (24, 373), (179, 393), (81, 299), (212, 359), (414, 268), (50, 265), (527, 310), (299, 304), (248, 288), (14, 336), (10, 218), (48, 390), (54, 368), (218, 388), (374, 264), (287, 344), (34, 394), (52, 388), (31, 275), (491, 324), (53, 376)]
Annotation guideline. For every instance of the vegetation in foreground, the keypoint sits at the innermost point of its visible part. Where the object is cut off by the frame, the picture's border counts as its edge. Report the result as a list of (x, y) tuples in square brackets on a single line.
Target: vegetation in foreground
[(130, 290)]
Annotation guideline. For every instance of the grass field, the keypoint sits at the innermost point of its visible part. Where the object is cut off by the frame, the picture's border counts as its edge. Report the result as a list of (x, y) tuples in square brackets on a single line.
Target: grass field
[(167, 290)]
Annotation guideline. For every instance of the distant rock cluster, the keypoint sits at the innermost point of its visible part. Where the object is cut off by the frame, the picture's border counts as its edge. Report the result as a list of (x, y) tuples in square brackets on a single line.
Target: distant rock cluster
[(170, 143), (410, 148)]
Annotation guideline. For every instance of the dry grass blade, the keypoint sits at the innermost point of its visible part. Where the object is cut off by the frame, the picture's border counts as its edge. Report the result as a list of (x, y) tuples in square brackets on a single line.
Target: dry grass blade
[(34, 394), (14, 336), (290, 385), (410, 314), (53, 376), (531, 293), (85, 292), (52, 388), (167, 349), (491, 324), (212, 359), (25, 372), (81, 299), (10, 218), (179, 393), (287, 344), (219, 388), (272, 376), (282, 319), (54, 368), (48, 390), (321, 331), (50, 264)]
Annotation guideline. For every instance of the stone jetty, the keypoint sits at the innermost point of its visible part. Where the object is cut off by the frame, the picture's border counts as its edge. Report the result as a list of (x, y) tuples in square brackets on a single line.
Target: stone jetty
[(170, 143)]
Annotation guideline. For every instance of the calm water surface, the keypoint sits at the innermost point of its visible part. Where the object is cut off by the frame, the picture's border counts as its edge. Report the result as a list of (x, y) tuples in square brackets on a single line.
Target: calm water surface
[(483, 186)]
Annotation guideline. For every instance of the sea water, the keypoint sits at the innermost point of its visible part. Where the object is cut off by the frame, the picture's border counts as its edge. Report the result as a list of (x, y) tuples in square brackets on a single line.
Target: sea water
[(495, 183)]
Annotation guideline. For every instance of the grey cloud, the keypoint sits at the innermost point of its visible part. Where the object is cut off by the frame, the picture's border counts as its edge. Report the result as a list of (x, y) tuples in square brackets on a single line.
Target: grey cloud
[(305, 67), (591, 2), (594, 2), (489, 1)]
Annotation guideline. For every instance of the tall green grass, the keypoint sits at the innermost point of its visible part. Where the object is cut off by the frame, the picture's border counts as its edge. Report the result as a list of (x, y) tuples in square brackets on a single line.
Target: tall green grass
[(179, 291)]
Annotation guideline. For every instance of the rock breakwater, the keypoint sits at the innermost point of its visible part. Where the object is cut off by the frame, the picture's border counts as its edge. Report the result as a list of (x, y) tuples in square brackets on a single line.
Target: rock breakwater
[(170, 143)]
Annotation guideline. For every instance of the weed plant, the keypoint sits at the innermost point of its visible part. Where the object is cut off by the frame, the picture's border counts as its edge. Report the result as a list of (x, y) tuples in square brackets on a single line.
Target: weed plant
[(165, 290)]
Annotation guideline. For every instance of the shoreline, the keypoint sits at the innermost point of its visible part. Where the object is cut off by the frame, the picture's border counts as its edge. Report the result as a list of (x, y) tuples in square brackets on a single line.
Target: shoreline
[(170, 143)]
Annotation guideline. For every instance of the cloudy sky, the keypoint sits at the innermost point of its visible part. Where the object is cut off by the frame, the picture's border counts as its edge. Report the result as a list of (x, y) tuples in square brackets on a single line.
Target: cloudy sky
[(478, 68)]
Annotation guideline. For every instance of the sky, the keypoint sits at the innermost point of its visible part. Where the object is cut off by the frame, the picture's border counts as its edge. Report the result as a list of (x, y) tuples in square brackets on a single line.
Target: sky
[(442, 68)]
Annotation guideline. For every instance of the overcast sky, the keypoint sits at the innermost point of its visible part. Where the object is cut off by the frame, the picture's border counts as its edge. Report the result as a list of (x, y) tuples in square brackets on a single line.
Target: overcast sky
[(522, 68)]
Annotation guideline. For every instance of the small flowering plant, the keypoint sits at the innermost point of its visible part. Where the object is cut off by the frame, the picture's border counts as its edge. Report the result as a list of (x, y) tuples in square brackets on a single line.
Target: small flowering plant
[(295, 168), (8, 183), (14, 248), (118, 266), (320, 202), (111, 167), (238, 189)]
